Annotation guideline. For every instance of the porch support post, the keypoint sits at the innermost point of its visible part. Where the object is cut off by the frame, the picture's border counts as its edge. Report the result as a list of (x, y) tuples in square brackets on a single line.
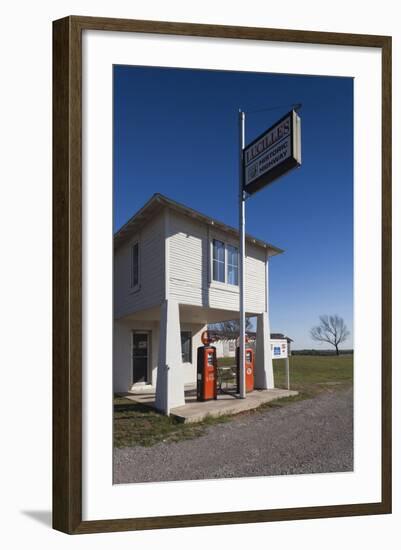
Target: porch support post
[(170, 374), (264, 377)]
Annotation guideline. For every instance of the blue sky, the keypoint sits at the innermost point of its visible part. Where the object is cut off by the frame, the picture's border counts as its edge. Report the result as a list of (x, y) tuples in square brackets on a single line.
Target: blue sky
[(176, 133)]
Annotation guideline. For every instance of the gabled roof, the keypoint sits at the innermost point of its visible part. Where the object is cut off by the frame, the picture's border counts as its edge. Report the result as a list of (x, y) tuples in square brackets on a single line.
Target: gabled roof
[(280, 336), (157, 202)]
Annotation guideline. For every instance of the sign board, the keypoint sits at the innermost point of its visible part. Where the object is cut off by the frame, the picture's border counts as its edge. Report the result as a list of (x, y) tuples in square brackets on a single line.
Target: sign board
[(273, 154), (279, 349)]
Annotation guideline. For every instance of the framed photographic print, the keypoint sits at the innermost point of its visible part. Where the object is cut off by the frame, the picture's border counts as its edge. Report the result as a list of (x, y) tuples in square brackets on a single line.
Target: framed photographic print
[(222, 274)]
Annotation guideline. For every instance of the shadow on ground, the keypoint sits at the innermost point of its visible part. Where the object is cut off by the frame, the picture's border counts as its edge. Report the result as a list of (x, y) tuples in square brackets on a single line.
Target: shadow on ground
[(41, 516)]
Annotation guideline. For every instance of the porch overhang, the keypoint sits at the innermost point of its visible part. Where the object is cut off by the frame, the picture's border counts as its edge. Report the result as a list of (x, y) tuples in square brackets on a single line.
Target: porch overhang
[(190, 314)]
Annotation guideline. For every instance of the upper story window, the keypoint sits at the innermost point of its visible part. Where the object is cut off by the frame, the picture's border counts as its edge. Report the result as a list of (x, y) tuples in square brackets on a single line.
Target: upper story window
[(219, 261), (134, 282), (225, 263), (232, 265)]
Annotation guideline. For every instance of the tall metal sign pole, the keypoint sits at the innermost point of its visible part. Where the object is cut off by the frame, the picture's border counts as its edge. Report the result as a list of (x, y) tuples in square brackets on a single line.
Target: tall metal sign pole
[(264, 160), (241, 202)]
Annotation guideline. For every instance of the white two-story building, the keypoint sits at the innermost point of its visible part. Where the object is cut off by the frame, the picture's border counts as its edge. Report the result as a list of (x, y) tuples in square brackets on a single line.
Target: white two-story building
[(175, 272)]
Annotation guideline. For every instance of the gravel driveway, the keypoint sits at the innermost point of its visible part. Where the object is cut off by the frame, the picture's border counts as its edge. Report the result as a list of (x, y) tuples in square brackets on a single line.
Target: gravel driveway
[(314, 435)]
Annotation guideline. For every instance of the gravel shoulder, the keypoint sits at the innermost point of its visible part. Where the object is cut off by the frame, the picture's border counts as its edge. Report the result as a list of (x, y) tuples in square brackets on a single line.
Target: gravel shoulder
[(309, 436)]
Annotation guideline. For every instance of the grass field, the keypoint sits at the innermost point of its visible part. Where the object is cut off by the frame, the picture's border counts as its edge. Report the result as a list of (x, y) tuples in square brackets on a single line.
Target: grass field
[(313, 374), (138, 425), (310, 374)]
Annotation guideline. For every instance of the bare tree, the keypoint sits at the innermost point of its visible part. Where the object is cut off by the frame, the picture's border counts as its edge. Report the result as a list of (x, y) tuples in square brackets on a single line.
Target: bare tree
[(332, 330)]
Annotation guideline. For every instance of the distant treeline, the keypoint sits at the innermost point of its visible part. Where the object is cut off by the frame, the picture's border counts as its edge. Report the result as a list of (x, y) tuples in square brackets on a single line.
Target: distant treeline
[(321, 352)]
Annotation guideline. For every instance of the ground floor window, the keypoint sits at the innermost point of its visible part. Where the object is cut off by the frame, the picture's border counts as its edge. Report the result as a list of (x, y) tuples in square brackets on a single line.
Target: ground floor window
[(186, 346)]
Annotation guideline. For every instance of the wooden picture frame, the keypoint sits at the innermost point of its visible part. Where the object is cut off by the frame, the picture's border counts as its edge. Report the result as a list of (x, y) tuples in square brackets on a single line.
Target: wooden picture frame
[(67, 273)]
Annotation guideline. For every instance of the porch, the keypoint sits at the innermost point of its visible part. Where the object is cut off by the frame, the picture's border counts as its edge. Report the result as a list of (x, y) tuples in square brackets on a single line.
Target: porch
[(225, 404), (151, 342)]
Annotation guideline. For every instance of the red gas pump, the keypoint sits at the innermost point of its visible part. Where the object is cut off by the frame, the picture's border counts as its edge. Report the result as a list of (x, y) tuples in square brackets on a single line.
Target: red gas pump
[(206, 387), (249, 368)]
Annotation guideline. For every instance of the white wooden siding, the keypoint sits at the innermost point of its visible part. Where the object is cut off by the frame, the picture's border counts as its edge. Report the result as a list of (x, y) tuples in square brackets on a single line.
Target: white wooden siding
[(187, 260), (255, 271), (189, 269), (122, 352), (151, 289)]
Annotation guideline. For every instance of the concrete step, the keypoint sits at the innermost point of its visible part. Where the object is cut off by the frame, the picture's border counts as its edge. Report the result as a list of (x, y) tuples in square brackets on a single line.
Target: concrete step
[(197, 411)]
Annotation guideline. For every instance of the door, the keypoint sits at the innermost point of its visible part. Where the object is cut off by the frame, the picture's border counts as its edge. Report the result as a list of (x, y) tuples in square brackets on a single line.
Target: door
[(140, 356)]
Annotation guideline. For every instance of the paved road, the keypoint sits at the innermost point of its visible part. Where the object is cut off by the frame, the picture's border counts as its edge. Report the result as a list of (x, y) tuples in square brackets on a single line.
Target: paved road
[(315, 435)]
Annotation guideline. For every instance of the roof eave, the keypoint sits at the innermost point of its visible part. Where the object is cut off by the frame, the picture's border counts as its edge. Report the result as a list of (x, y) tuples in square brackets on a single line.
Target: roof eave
[(169, 203)]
